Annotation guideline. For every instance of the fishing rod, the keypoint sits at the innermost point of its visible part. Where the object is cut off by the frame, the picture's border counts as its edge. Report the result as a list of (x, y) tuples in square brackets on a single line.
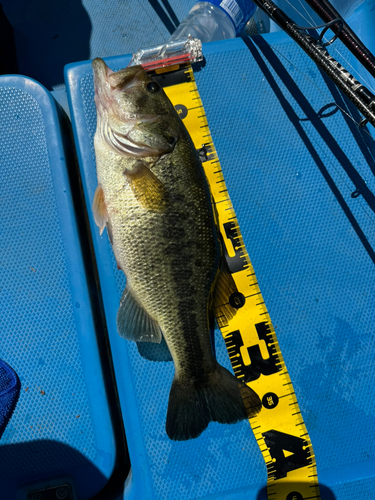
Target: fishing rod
[(360, 96), (328, 13)]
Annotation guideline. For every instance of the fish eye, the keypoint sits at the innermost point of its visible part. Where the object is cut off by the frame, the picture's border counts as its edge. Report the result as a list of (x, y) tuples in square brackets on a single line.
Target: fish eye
[(153, 87)]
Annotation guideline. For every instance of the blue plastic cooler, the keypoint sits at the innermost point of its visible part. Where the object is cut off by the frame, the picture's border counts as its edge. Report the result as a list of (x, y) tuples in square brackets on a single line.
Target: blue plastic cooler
[(301, 177)]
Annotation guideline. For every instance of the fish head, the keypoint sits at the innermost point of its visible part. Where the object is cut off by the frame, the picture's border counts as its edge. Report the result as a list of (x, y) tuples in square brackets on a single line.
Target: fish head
[(134, 115)]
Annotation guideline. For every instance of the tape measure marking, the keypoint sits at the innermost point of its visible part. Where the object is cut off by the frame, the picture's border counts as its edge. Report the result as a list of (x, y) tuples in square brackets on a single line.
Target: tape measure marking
[(249, 336)]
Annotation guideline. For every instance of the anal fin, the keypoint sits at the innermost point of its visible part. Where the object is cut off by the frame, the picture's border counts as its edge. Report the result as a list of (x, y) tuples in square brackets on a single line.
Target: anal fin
[(133, 321), (149, 191), (154, 352)]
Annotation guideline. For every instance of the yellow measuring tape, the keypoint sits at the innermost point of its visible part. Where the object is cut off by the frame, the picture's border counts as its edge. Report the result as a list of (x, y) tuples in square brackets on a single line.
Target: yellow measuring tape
[(249, 336)]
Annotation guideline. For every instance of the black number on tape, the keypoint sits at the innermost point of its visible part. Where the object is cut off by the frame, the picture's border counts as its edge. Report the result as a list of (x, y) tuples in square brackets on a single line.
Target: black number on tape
[(237, 300), (181, 110), (258, 365), (288, 452), (238, 261), (270, 400)]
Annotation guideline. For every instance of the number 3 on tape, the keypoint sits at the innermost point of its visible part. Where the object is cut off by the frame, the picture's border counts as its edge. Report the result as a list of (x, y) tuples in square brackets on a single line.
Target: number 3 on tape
[(249, 336)]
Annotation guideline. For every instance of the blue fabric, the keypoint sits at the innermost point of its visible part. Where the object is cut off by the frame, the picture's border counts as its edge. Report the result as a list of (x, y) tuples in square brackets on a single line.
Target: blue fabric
[(9, 392)]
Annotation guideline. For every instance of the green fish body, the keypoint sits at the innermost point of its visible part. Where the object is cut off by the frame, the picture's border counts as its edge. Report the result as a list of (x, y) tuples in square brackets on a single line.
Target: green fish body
[(154, 200)]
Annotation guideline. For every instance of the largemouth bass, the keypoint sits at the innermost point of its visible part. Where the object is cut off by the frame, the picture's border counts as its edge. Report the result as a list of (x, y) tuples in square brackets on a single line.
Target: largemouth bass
[(154, 201)]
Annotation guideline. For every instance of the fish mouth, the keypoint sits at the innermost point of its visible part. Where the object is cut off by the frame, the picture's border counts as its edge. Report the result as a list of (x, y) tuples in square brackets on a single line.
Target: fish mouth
[(125, 80), (101, 70)]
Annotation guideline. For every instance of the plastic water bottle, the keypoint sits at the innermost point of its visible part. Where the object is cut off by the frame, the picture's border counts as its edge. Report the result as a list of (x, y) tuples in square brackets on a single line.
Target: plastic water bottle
[(215, 20)]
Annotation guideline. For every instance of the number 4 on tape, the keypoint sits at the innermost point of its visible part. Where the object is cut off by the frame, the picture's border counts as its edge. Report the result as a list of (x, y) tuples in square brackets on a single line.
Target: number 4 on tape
[(249, 336)]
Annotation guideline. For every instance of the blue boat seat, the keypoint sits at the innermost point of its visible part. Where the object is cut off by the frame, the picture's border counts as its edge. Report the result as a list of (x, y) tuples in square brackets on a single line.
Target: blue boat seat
[(61, 432)]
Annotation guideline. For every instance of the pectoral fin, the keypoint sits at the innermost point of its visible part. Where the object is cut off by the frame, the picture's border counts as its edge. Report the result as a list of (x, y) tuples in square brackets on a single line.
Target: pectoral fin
[(133, 321), (224, 288), (100, 209), (149, 191)]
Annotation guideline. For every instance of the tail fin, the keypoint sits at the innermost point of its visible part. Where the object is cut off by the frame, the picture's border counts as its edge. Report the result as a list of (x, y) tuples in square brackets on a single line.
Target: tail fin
[(220, 398)]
